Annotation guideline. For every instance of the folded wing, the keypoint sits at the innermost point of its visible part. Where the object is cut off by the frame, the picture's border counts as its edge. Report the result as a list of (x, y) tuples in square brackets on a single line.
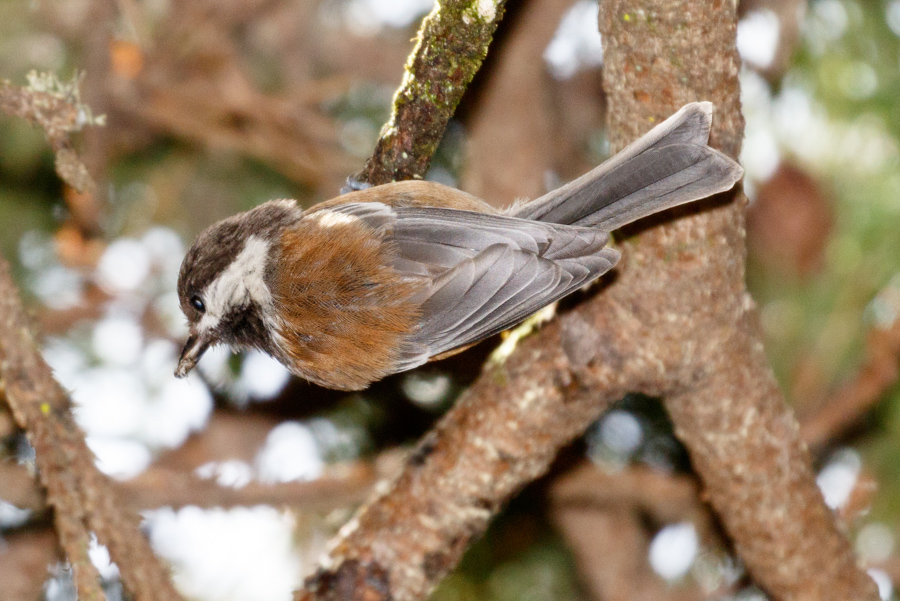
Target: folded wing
[(481, 273)]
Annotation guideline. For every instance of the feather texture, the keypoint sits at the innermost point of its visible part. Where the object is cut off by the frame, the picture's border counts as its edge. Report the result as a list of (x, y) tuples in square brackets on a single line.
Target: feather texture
[(670, 165), (483, 273)]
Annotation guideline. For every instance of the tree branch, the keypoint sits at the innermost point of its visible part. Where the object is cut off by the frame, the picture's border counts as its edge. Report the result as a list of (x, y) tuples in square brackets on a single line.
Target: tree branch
[(859, 394), (57, 108), (677, 323), (83, 499), (727, 409), (450, 48)]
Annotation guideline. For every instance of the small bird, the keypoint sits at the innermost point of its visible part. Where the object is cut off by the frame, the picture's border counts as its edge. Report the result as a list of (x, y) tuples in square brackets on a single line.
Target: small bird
[(384, 279)]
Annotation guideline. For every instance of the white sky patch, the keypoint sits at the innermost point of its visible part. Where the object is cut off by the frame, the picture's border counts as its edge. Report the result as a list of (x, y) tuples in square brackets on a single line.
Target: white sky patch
[(368, 17), (109, 401), (60, 586), (176, 407), (117, 340), (839, 476), (831, 17), (262, 377), (228, 555), (180, 407), (233, 473), (673, 550), (884, 310), (99, 556), (36, 250), (124, 266), (11, 516), (621, 431), (58, 287), (792, 112), (119, 457), (128, 411), (157, 362), (760, 154), (64, 358), (576, 44), (214, 365), (757, 37), (167, 308), (290, 453), (427, 390), (883, 582), (892, 16), (338, 443), (166, 250)]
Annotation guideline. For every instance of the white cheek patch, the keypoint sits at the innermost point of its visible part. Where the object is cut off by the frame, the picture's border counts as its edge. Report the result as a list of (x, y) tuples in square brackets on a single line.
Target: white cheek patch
[(241, 282)]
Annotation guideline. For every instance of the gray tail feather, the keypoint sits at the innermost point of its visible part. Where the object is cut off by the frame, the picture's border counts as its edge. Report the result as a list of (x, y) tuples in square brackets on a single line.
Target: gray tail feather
[(668, 166)]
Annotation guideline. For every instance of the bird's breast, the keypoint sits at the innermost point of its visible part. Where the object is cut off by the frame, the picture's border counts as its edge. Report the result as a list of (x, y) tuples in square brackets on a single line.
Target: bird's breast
[(343, 311)]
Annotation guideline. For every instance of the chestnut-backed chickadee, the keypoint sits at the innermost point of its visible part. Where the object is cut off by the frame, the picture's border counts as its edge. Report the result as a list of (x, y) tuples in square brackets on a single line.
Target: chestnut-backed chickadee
[(383, 279)]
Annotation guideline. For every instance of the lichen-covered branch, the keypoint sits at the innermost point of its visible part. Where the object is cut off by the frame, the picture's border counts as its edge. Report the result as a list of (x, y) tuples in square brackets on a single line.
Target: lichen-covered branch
[(677, 323), (57, 108), (450, 48), (83, 500)]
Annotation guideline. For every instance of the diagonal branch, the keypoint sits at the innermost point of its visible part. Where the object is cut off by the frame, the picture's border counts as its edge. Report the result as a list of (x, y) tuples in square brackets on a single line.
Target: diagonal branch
[(83, 499), (450, 48)]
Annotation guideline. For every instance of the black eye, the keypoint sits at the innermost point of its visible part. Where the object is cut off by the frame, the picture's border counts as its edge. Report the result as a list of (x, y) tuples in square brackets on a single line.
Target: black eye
[(197, 303)]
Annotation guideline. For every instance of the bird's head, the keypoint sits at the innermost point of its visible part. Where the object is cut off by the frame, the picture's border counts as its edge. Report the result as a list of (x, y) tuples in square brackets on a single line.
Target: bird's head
[(224, 283)]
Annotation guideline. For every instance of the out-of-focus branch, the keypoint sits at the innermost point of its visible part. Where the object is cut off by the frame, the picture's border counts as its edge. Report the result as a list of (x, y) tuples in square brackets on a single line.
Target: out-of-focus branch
[(515, 91), (57, 108), (161, 487), (82, 498), (23, 570), (610, 547), (604, 517), (451, 46), (663, 497), (166, 487), (853, 399), (677, 323)]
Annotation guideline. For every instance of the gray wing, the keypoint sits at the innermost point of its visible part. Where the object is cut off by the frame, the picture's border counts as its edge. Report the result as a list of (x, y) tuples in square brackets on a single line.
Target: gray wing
[(488, 272)]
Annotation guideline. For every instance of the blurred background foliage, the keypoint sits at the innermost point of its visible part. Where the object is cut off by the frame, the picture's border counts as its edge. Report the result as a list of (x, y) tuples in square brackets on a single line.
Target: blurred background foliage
[(214, 106)]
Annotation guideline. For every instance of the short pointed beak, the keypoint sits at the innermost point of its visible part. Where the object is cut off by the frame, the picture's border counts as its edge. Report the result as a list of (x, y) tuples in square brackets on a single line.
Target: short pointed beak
[(194, 348)]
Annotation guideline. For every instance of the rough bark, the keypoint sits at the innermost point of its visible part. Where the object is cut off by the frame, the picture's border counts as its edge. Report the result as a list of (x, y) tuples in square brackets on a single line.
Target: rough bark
[(677, 323), (727, 409)]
